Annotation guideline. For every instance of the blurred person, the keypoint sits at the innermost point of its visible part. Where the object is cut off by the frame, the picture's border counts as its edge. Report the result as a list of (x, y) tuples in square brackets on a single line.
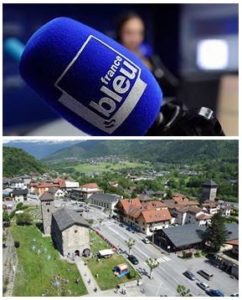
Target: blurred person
[(130, 32)]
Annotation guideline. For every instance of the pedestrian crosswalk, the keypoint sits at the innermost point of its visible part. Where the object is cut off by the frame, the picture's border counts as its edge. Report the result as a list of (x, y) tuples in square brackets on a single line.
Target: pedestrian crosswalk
[(163, 259)]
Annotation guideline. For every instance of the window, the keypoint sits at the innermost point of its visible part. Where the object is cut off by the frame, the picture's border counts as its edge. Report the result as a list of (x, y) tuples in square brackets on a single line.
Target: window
[(76, 230), (48, 210)]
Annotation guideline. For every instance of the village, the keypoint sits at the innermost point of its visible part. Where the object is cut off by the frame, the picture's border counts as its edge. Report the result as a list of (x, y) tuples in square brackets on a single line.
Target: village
[(103, 244)]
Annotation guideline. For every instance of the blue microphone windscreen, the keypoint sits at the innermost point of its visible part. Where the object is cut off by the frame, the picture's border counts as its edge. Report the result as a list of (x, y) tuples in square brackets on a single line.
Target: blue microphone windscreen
[(91, 80)]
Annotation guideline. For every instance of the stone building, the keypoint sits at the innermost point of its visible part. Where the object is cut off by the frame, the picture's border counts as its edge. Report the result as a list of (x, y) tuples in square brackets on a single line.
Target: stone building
[(70, 233), (209, 190), (47, 209)]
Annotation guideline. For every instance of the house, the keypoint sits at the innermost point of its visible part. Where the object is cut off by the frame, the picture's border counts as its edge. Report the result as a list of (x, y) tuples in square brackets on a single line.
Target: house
[(224, 208), (107, 201), (195, 215), (57, 193), (88, 189), (210, 207), (144, 216), (6, 182), (40, 187), (228, 258), (113, 184), (185, 211), (7, 194), (69, 185), (188, 236), (70, 233), (180, 237), (17, 183), (19, 195)]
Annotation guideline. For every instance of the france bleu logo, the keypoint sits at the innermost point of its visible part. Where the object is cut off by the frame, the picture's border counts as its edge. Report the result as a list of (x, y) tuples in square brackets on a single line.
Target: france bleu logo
[(109, 92)]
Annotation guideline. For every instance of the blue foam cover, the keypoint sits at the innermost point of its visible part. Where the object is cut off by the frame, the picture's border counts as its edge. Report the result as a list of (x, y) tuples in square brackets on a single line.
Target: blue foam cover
[(91, 80)]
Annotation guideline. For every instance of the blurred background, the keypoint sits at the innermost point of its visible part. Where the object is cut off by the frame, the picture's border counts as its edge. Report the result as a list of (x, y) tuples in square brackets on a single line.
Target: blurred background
[(197, 44)]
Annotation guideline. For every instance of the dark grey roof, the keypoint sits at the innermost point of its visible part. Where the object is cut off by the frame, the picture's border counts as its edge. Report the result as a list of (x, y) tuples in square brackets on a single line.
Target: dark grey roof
[(65, 218), (16, 180), (233, 231), (105, 197), (18, 192), (144, 197), (52, 190), (47, 197), (210, 183), (192, 234), (185, 235)]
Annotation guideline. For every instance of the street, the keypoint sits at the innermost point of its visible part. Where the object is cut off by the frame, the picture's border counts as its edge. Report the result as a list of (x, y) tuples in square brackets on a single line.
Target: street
[(168, 274)]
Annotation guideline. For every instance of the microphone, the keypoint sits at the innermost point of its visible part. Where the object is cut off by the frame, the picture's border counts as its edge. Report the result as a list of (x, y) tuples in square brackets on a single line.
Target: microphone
[(92, 81)]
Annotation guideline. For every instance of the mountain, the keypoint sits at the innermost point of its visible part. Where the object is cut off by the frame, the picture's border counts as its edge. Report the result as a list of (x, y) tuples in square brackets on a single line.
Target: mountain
[(18, 162), (179, 151), (40, 149)]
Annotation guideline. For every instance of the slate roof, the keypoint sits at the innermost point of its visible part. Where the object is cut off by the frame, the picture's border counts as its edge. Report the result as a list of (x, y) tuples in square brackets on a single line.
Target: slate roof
[(185, 235), (210, 183), (233, 231), (105, 197), (191, 234), (19, 192), (47, 196), (65, 218)]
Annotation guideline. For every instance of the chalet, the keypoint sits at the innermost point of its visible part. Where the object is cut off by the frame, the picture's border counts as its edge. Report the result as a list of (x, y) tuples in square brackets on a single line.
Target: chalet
[(144, 216), (188, 236)]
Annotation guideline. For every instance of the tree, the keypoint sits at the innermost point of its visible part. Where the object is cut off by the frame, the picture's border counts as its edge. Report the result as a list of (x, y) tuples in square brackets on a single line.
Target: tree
[(130, 243), (216, 232), (24, 219), (6, 217), (183, 291), (19, 206), (152, 264)]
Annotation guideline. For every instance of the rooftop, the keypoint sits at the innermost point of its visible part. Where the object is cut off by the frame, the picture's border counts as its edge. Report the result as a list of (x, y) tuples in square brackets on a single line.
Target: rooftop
[(65, 218), (105, 197)]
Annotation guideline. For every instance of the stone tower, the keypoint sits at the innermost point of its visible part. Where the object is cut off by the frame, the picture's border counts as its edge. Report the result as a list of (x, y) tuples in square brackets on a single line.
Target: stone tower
[(47, 209), (209, 190)]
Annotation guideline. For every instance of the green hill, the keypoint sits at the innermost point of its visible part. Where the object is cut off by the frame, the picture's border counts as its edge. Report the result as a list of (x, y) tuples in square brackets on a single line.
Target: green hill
[(181, 151), (18, 162)]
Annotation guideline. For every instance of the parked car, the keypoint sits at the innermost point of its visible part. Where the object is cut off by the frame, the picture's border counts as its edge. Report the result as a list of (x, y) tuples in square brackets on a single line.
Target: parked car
[(215, 293), (203, 285), (146, 240), (234, 295), (133, 259), (189, 275)]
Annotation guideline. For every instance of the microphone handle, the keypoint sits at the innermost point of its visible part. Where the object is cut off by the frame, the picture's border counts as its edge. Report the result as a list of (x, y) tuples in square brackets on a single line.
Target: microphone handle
[(176, 120)]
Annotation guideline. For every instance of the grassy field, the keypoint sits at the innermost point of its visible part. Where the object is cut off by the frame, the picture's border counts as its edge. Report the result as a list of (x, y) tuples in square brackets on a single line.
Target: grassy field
[(105, 166), (106, 279), (37, 269)]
